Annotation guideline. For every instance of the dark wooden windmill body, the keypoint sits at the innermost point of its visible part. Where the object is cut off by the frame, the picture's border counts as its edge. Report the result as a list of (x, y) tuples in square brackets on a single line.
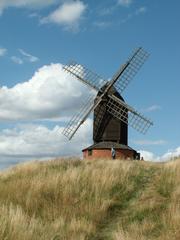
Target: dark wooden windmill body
[(112, 115), (105, 126)]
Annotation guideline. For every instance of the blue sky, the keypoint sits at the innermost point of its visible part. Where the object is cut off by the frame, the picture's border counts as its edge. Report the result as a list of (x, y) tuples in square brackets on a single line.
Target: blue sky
[(36, 96)]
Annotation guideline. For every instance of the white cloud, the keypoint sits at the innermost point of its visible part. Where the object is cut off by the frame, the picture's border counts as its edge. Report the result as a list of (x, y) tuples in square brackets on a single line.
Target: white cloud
[(17, 60), (130, 16), (27, 142), (150, 142), (50, 93), (173, 153), (34, 15), (152, 108), (125, 3), (141, 10), (3, 51), (28, 57), (147, 156), (102, 24), (68, 14), (4, 4), (170, 154), (107, 10), (32, 141)]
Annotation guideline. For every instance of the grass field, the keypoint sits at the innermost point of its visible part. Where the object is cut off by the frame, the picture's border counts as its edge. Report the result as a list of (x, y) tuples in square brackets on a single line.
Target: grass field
[(96, 200)]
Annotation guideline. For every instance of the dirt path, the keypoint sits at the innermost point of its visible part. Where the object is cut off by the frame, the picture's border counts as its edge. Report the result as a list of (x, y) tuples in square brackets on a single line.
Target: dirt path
[(119, 209)]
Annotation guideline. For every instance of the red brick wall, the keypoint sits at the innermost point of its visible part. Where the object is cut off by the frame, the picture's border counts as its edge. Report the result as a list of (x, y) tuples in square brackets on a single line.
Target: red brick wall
[(106, 153)]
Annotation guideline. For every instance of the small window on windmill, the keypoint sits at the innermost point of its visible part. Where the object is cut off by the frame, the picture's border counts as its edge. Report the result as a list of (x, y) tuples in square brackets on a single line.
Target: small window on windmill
[(89, 152)]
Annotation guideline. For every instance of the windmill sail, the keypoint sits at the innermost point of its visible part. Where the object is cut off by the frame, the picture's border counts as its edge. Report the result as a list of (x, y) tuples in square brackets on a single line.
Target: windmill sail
[(85, 75), (134, 63), (78, 119), (127, 114)]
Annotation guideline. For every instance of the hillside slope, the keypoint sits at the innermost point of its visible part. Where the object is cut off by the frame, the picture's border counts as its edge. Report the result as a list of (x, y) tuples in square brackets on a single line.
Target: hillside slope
[(97, 200)]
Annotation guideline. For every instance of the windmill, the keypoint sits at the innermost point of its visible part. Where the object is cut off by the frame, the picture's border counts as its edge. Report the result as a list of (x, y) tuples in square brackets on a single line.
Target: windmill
[(112, 115)]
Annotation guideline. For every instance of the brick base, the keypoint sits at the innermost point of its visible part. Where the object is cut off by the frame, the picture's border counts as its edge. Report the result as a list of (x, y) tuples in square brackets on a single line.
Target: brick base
[(106, 153)]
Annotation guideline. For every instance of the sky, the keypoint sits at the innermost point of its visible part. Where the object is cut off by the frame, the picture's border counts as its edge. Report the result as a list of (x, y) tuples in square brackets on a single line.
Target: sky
[(37, 98)]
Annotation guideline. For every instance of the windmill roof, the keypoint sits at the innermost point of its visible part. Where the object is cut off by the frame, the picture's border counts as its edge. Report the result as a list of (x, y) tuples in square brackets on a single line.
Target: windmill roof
[(108, 145)]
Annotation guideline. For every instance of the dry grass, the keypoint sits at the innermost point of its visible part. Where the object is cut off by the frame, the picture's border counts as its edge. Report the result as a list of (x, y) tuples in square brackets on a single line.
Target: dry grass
[(156, 213), (78, 200)]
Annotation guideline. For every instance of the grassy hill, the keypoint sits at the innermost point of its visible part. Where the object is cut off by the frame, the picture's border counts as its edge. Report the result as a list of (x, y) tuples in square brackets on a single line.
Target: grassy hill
[(97, 200)]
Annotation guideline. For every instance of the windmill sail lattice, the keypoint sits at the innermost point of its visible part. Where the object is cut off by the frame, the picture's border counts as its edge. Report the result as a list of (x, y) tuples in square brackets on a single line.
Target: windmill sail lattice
[(85, 75), (79, 118), (114, 105), (134, 63), (128, 115)]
